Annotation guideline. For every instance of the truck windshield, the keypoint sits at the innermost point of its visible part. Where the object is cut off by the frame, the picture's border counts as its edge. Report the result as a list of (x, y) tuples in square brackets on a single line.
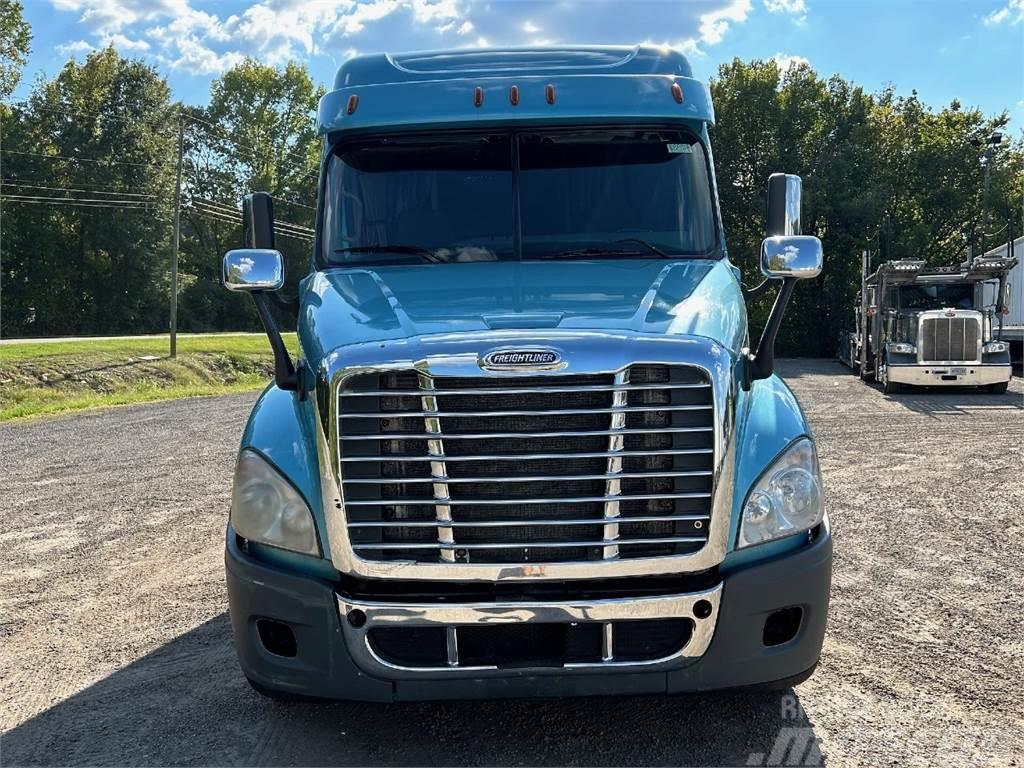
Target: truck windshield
[(941, 296), (530, 195)]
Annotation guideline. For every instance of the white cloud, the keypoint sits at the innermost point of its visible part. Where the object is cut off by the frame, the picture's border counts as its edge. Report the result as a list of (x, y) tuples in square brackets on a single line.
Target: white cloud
[(792, 7), (206, 37), (714, 24), (1012, 12), (75, 47), (123, 43), (787, 61), (106, 17), (690, 46), (198, 59)]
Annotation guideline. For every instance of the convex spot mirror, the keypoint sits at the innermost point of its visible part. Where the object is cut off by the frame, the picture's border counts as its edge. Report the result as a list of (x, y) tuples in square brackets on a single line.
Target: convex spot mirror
[(253, 269)]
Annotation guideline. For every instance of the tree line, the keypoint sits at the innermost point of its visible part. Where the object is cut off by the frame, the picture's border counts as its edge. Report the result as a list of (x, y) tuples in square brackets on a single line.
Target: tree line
[(89, 171)]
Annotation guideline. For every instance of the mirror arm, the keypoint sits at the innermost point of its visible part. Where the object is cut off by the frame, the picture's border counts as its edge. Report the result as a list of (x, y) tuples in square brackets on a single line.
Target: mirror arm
[(285, 375), (757, 290), (761, 364)]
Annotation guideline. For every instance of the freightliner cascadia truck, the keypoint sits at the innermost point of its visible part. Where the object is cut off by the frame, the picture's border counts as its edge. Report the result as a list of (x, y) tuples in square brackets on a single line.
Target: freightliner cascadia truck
[(527, 446)]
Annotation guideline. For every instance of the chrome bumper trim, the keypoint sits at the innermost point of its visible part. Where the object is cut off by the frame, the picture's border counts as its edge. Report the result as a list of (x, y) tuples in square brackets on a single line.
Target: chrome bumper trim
[(453, 615), (930, 375)]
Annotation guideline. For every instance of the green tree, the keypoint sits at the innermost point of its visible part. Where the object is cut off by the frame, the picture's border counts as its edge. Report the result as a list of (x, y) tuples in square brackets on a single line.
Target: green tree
[(884, 173), (87, 231), (258, 133), (15, 45)]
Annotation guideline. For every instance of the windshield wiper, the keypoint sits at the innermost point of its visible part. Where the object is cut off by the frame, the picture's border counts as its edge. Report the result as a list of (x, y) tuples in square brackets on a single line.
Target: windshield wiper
[(412, 250), (590, 253), (649, 246)]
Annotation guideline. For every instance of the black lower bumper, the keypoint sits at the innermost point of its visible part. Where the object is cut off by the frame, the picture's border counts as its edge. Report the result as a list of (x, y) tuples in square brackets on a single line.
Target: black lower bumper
[(736, 657)]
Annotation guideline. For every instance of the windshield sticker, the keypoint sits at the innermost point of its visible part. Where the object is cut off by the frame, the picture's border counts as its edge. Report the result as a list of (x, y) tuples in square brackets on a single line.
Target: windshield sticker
[(679, 149)]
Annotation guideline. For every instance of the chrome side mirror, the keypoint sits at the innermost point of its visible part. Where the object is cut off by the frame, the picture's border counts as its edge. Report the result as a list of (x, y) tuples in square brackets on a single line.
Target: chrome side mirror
[(798, 256), (783, 204), (253, 269)]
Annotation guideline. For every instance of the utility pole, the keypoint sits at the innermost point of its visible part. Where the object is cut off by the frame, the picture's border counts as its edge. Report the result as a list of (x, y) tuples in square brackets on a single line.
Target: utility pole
[(987, 158), (177, 237), (1, 221)]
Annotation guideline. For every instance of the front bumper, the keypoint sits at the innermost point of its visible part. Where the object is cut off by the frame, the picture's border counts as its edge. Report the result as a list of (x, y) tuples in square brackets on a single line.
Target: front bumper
[(729, 652), (942, 375)]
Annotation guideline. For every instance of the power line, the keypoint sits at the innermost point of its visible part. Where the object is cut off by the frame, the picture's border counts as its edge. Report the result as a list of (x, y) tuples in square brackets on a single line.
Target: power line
[(93, 190), (18, 181), (285, 229), (83, 159), (71, 202), (233, 215)]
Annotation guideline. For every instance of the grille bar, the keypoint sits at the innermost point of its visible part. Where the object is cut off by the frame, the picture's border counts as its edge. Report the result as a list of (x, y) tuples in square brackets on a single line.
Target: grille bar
[(509, 523), (523, 435), (530, 391), (540, 544), (526, 479), (435, 447), (540, 456), (484, 414), (613, 486), (553, 500), (527, 469)]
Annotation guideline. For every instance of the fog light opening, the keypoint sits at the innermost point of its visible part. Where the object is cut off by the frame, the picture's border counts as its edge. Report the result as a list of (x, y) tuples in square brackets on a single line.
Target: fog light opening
[(702, 609), (782, 626), (277, 637)]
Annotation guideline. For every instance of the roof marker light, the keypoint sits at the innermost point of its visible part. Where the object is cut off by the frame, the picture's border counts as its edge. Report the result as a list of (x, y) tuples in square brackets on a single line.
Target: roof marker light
[(513, 95), (478, 97), (549, 93), (353, 102), (677, 93)]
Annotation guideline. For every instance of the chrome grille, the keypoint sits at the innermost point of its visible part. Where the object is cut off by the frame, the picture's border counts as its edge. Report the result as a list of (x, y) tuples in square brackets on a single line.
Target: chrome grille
[(527, 469), (949, 339)]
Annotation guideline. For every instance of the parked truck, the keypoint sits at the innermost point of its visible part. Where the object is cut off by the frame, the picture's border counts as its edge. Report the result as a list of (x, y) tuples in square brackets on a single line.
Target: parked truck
[(1011, 329), (921, 325), (526, 447)]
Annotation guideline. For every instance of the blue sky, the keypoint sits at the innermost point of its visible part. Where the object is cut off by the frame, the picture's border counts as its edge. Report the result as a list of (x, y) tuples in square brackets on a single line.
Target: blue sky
[(973, 51)]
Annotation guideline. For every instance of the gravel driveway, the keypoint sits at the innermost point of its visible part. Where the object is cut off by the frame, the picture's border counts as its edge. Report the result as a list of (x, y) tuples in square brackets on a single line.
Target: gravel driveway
[(115, 647)]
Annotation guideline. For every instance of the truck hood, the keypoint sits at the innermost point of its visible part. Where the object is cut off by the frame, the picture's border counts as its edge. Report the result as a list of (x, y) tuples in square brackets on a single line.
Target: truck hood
[(695, 297)]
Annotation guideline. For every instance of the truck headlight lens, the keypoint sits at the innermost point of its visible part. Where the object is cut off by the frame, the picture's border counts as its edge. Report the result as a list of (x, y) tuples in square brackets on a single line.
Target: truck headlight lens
[(901, 348), (266, 508), (786, 499), (994, 347)]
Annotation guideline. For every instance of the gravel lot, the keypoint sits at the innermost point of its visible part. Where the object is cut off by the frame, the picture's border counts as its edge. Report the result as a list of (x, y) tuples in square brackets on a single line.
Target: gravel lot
[(116, 646)]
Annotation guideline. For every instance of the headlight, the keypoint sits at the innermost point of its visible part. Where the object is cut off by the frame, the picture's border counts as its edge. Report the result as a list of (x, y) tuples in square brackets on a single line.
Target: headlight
[(266, 508), (995, 346), (901, 348), (786, 499)]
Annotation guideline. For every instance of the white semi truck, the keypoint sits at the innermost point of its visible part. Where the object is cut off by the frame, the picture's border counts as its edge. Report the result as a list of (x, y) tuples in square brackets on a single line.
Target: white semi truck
[(922, 325)]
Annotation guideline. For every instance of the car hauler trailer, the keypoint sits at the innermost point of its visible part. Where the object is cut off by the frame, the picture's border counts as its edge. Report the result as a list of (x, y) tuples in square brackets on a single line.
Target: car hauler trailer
[(1012, 327), (920, 325), (525, 449)]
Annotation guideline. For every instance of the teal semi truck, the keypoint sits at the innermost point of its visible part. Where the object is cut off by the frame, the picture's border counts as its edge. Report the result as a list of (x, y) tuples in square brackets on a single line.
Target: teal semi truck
[(527, 447)]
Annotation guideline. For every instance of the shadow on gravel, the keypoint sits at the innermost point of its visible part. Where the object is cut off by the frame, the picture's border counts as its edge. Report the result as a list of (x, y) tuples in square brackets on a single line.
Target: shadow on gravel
[(187, 703), (956, 400)]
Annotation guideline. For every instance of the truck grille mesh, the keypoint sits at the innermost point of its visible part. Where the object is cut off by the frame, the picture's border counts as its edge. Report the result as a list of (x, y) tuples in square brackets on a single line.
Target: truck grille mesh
[(952, 339), (527, 469)]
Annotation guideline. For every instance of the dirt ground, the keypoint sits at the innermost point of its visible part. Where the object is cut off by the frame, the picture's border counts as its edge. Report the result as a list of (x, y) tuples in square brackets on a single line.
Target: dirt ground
[(115, 647)]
